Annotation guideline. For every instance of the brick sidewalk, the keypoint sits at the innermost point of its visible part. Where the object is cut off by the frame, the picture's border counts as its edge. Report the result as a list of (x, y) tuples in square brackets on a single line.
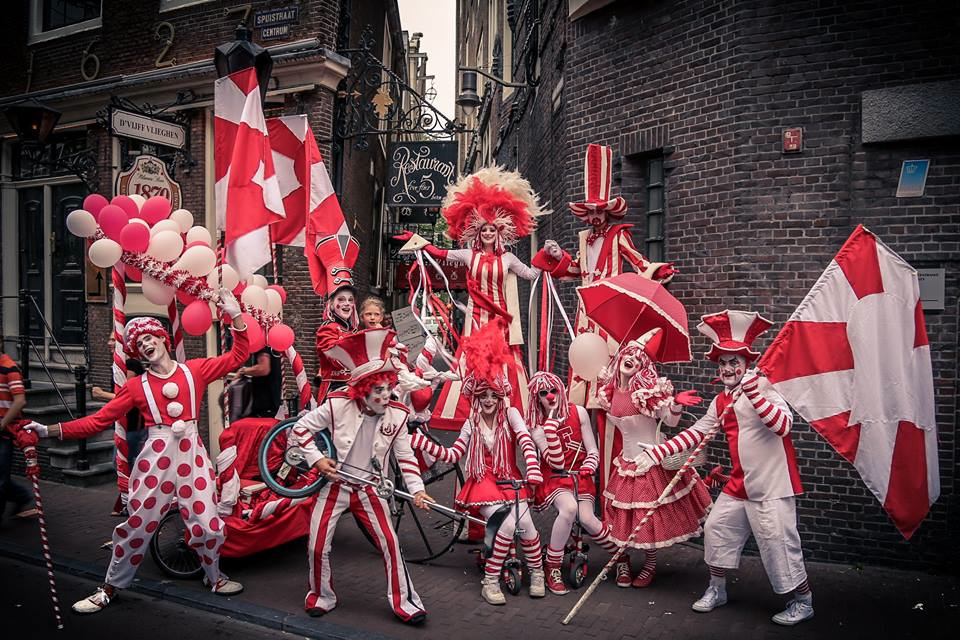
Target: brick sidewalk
[(850, 602)]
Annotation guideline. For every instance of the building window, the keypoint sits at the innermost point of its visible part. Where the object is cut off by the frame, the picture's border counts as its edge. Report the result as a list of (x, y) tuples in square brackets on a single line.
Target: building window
[(655, 203), (56, 18)]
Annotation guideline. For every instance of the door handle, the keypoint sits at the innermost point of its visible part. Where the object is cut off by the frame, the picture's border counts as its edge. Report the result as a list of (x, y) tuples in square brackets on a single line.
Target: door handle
[(53, 243)]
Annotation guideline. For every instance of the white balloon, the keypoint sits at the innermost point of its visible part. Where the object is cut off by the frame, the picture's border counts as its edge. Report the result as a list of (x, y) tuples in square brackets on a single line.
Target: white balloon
[(223, 276), (165, 246), (274, 302), (141, 221), (199, 234), (588, 355), (259, 280), (163, 225), (198, 261), (81, 223), (157, 292), (139, 199), (183, 218), (254, 296), (105, 252)]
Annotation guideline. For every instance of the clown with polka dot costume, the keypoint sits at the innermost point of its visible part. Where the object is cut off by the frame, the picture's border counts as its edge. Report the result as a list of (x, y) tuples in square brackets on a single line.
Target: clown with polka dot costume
[(174, 469)]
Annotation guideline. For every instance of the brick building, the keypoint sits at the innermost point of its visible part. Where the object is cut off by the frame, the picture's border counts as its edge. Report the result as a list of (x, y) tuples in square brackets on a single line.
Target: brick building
[(694, 98), (156, 56)]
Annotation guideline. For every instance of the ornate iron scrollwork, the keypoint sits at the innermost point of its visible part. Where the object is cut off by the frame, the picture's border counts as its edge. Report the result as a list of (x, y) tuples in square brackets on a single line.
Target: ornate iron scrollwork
[(373, 100)]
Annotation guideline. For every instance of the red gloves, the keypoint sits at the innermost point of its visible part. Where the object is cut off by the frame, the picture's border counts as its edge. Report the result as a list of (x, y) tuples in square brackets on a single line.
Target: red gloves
[(687, 398), (664, 272)]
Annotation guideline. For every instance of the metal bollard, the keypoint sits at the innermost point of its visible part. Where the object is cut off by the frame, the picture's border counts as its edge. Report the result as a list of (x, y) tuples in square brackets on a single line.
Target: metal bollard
[(80, 373), (24, 340)]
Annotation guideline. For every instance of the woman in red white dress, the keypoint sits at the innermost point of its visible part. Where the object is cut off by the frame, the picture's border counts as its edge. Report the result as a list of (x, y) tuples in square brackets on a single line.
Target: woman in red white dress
[(486, 213), (490, 438), (635, 398)]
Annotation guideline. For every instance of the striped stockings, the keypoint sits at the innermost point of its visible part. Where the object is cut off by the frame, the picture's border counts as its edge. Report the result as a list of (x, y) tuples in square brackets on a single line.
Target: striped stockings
[(501, 547), (554, 556), (532, 552), (603, 539), (649, 564), (718, 576)]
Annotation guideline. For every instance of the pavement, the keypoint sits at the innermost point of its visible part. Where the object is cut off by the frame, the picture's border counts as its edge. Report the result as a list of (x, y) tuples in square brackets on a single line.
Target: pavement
[(850, 602)]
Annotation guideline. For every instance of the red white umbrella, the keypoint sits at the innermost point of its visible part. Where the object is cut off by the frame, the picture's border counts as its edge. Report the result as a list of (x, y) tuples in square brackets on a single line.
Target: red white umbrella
[(628, 305)]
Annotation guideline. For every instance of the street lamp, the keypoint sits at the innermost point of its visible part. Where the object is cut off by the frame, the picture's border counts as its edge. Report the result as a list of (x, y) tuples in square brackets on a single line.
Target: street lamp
[(32, 120), (468, 100), (242, 54)]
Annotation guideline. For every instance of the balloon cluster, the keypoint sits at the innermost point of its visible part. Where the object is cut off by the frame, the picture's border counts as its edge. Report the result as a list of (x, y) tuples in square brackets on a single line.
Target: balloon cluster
[(173, 259)]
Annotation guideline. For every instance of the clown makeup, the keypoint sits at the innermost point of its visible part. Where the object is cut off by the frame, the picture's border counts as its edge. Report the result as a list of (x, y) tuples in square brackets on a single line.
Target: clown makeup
[(628, 366), (152, 349), (376, 401), (489, 402), (343, 305), (488, 236), (597, 219), (730, 369), (549, 399)]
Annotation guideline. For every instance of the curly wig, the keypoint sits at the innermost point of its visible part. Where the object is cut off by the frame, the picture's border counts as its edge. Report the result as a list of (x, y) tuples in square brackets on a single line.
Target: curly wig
[(361, 388)]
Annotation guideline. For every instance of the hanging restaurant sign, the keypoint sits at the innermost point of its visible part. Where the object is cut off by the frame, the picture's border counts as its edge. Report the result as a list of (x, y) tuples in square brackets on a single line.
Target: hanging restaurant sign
[(148, 177), (142, 127), (420, 172)]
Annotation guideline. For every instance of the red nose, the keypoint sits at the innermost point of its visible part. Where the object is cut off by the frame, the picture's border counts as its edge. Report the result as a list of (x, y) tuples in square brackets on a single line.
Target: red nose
[(551, 397)]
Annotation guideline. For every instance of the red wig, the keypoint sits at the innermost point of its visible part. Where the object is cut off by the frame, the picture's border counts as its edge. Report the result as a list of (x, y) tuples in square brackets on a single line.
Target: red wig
[(361, 388)]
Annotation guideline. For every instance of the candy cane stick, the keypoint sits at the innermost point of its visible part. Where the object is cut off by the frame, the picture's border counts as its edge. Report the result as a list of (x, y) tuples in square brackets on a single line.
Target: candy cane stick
[(177, 332), (122, 449), (303, 384), (33, 471)]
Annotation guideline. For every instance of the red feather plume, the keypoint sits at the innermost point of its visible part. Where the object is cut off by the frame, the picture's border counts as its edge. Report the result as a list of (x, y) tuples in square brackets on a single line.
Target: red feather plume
[(486, 352)]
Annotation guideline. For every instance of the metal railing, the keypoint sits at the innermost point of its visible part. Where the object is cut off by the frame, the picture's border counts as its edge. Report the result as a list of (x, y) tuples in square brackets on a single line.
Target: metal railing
[(26, 345)]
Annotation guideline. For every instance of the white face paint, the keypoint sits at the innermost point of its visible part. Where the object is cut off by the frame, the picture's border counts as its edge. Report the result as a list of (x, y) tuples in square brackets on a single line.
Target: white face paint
[(488, 236), (152, 349), (730, 370), (549, 399), (378, 398), (489, 402), (343, 305), (628, 366)]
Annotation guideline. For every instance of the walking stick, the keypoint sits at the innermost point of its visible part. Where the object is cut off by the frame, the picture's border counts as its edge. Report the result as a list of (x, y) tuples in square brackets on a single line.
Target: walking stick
[(27, 441), (663, 496)]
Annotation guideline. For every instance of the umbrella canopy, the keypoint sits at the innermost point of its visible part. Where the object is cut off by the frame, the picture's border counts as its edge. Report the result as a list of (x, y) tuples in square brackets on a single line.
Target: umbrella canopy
[(628, 305)]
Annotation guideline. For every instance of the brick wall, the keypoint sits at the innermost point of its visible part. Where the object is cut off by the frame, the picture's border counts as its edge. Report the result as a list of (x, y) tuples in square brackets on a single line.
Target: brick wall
[(711, 86)]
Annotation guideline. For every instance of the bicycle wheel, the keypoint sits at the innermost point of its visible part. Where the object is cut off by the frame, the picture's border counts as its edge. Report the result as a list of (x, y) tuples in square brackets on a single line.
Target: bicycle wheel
[(577, 573), (170, 550), (510, 579), (283, 467)]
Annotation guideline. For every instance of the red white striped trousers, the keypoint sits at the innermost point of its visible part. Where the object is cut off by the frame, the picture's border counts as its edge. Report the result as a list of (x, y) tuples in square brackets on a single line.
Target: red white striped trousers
[(373, 513)]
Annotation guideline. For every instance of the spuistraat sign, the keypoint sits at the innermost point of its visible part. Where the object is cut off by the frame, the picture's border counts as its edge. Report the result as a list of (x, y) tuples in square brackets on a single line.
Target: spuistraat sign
[(141, 127), (148, 177)]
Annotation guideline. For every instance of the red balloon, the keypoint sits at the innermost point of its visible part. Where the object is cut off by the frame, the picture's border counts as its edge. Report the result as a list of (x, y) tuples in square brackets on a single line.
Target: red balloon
[(196, 318), (280, 337), (281, 291), (133, 274), (134, 237), (112, 220), (238, 290), (254, 333), (185, 298), (94, 203), (155, 209), (127, 204)]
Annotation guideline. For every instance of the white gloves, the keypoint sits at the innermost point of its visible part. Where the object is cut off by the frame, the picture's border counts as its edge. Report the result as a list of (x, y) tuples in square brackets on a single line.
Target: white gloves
[(228, 303), (645, 460), (40, 429), (553, 249)]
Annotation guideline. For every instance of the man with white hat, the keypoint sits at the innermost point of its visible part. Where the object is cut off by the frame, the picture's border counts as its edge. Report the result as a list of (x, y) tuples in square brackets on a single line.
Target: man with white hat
[(760, 495), (365, 426)]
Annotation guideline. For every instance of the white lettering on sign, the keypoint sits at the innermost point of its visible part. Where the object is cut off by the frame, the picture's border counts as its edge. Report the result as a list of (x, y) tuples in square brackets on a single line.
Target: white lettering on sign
[(134, 125), (269, 33), (413, 188)]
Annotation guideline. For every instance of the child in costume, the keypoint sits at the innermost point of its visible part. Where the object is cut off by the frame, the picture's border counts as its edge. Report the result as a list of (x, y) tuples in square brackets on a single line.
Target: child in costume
[(174, 467), (489, 438), (365, 425), (760, 495), (566, 442), (635, 398)]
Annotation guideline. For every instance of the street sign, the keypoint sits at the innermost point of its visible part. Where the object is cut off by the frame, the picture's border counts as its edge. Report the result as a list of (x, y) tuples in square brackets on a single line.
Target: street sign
[(793, 140), (456, 275), (419, 173), (275, 23), (932, 288), (148, 177), (153, 130)]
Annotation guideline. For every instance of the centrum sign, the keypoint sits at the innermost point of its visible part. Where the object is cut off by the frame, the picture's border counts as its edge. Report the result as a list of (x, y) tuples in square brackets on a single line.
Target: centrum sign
[(420, 172), (141, 127)]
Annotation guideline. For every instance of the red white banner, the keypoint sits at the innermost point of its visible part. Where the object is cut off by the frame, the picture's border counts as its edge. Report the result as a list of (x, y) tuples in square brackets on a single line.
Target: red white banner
[(247, 193), (854, 361), (288, 136)]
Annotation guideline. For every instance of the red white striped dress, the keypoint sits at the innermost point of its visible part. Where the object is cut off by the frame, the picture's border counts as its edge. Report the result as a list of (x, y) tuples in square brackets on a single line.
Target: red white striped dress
[(493, 294)]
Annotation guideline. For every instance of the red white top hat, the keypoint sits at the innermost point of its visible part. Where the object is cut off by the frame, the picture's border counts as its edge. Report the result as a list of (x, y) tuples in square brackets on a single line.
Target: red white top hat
[(597, 177), (331, 264), (366, 352), (733, 332)]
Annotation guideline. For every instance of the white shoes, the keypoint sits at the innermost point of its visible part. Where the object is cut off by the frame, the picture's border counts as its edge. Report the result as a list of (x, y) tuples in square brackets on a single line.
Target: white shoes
[(538, 586), (796, 612), (96, 602), (491, 591), (712, 598), (224, 587)]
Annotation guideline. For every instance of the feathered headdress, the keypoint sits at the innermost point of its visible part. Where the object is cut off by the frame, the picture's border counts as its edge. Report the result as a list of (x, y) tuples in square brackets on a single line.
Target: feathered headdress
[(494, 196)]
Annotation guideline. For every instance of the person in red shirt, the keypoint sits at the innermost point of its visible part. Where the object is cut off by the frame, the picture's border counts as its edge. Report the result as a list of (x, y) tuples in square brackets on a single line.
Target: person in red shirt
[(12, 401), (174, 467)]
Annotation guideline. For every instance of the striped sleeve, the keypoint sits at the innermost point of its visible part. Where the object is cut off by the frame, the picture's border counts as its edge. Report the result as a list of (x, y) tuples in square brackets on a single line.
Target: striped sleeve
[(301, 434), (10, 375), (689, 438), (451, 454), (775, 416), (592, 460), (527, 446), (553, 455), (631, 253), (409, 466)]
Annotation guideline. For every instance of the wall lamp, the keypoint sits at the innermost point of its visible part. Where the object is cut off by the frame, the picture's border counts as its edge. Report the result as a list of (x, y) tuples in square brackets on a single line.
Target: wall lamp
[(469, 99)]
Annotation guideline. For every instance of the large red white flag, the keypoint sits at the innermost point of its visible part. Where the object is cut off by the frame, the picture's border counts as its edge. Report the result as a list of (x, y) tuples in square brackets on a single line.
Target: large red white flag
[(247, 192), (854, 361), (288, 136)]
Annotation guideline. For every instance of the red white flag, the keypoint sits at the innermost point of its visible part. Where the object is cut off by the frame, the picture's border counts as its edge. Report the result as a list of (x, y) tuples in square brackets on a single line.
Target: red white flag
[(288, 137), (247, 193), (854, 361)]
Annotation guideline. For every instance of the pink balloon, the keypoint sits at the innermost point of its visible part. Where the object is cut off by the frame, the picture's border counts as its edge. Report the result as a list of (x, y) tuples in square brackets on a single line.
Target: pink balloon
[(133, 274), (155, 209), (281, 291), (134, 237), (94, 203), (128, 204), (238, 290), (112, 220), (280, 337), (196, 318), (254, 333)]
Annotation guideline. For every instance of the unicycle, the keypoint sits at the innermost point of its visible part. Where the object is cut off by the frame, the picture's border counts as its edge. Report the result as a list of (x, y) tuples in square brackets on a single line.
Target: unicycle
[(283, 466)]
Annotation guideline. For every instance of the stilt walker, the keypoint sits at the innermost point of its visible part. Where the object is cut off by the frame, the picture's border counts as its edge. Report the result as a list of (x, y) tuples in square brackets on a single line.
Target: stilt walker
[(174, 467)]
